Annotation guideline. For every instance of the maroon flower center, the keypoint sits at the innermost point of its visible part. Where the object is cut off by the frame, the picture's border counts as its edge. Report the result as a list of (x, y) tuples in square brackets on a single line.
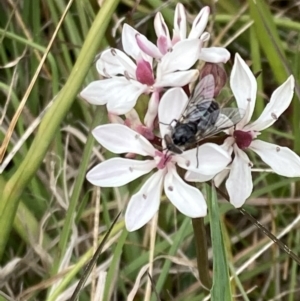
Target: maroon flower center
[(242, 139), (144, 73)]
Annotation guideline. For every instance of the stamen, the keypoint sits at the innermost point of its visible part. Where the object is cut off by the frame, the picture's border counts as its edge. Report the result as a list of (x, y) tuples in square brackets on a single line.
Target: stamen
[(113, 52), (170, 188), (178, 21), (126, 74)]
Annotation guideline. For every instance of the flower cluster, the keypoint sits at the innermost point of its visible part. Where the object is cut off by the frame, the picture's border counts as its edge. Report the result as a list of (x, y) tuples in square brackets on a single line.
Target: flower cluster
[(164, 71)]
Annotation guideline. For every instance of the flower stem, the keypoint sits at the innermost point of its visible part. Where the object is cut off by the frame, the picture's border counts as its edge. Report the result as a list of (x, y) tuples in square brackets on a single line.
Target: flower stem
[(201, 251)]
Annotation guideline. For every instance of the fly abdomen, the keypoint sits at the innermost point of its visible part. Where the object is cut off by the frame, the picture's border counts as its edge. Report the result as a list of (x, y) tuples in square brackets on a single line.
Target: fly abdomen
[(202, 110)]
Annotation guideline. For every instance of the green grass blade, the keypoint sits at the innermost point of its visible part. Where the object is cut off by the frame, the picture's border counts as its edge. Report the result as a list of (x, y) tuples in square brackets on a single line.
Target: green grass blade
[(221, 289), (48, 127)]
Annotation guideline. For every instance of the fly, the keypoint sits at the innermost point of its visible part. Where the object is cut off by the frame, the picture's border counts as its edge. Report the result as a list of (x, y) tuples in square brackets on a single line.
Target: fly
[(201, 118)]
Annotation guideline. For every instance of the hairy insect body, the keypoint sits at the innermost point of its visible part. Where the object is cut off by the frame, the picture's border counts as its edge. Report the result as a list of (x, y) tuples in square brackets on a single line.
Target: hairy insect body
[(195, 123), (197, 119), (202, 118), (184, 133)]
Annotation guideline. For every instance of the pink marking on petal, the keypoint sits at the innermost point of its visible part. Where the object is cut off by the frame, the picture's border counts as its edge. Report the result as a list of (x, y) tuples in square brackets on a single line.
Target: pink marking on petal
[(144, 73), (128, 122), (115, 118), (164, 159), (146, 132), (162, 44), (147, 47), (130, 156), (175, 39)]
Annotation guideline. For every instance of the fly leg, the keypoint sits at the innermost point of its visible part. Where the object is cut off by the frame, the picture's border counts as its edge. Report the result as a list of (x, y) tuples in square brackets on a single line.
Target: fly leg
[(197, 155)]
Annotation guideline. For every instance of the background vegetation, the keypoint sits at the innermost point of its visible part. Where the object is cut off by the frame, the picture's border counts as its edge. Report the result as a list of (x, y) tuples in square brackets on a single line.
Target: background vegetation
[(51, 218)]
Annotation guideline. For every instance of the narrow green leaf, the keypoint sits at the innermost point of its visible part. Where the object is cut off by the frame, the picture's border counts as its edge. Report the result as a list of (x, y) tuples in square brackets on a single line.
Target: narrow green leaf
[(113, 266), (167, 265), (221, 289), (201, 251)]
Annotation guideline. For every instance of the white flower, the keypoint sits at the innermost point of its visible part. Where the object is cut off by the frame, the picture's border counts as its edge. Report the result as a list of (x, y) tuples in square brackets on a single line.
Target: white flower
[(165, 44), (125, 80), (282, 160), (119, 171)]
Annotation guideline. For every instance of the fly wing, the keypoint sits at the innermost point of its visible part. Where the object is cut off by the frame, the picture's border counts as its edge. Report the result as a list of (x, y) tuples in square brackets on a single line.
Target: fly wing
[(227, 118), (203, 92)]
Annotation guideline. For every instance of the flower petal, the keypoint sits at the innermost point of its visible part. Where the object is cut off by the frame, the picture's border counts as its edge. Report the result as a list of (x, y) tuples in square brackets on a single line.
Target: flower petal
[(179, 23), (192, 176), (170, 108), (122, 95), (187, 199), (176, 79), (151, 113), (115, 62), (120, 139), (244, 87), (160, 26), (162, 31), (184, 55), (214, 55), (148, 47), (130, 44), (116, 172), (199, 23), (280, 100), (207, 159), (220, 177), (144, 204), (119, 93), (281, 159), (239, 183), (95, 92)]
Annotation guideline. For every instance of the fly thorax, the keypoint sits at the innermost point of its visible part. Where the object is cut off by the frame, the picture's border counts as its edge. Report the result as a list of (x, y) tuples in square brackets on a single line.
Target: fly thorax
[(184, 133)]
